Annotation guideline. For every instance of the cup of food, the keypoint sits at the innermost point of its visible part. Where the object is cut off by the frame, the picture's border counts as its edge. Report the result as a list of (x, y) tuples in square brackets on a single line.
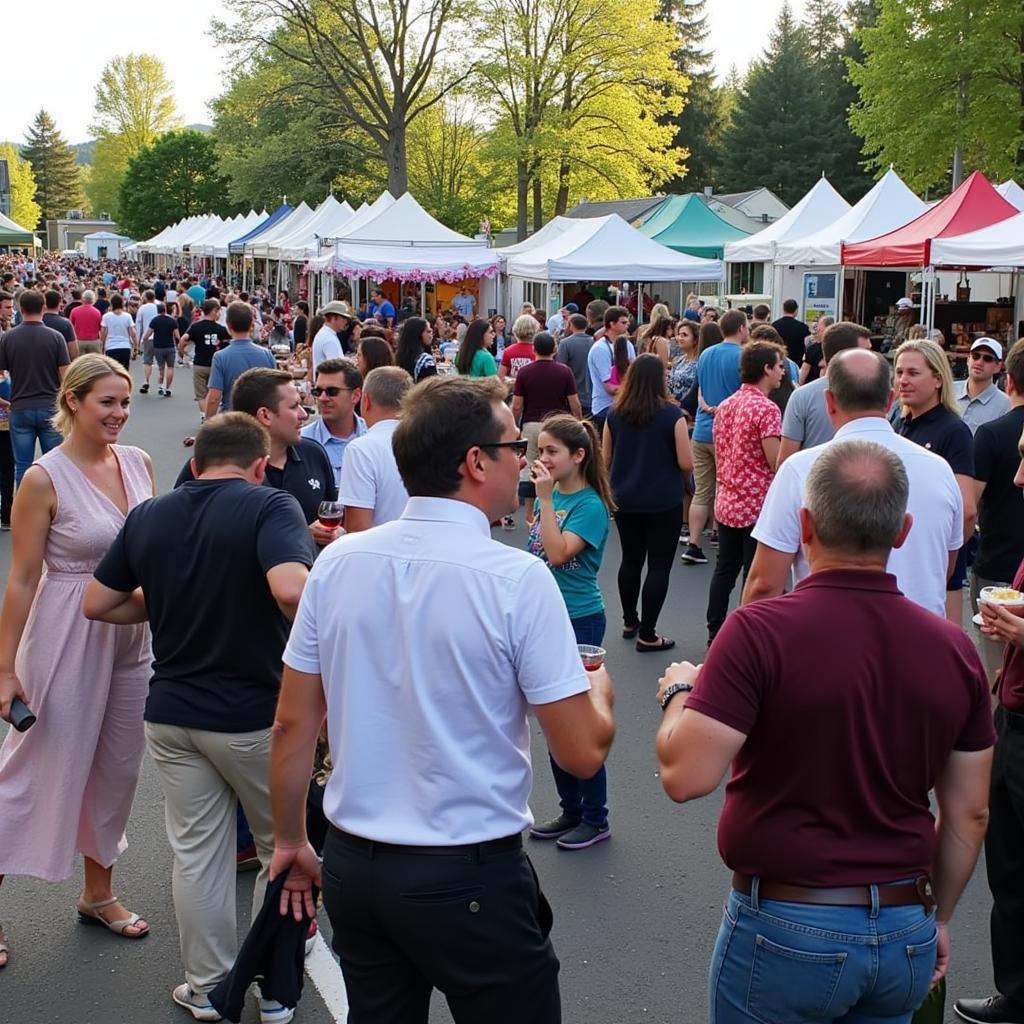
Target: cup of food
[(1005, 595), (591, 656)]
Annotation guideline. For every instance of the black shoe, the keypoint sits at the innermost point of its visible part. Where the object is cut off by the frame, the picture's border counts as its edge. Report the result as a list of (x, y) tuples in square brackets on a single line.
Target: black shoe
[(694, 556), (144, 390), (993, 1010), (556, 827), (584, 835)]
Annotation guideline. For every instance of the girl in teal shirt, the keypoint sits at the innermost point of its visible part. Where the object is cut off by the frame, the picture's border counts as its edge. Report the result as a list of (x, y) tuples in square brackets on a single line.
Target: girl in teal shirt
[(474, 358), (570, 528)]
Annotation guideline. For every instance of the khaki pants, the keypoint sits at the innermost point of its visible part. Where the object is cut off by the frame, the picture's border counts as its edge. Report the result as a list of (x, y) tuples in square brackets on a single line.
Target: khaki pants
[(87, 347), (204, 775)]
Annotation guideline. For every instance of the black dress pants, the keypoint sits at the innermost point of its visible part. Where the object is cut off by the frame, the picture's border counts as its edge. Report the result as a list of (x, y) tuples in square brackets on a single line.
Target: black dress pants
[(736, 549), (474, 925), (1004, 855)]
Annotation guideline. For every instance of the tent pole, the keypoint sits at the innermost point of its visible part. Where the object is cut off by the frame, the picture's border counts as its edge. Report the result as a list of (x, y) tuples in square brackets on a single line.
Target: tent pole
[(423, 299), (639, 303), (680, 307)]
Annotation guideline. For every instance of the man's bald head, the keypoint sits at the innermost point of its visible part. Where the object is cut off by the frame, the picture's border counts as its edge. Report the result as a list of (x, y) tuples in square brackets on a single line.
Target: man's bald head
[(859, 381)]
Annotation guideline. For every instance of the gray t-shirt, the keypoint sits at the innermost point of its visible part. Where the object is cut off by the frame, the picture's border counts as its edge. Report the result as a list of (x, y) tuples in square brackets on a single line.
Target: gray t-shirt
[(806, 419), (231, 362), (573, 352), (33, 353)]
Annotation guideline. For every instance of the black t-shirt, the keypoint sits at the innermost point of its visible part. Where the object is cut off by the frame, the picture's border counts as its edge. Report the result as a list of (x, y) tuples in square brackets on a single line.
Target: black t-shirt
[(208, 336), (812, 357), (163, 327), (945, 434), (32, 353), (102, 305), (1001, 511), (61, 324), (300, 329), (159, 290), (66, 311), (307, 475), (218, 634), (794, 333)]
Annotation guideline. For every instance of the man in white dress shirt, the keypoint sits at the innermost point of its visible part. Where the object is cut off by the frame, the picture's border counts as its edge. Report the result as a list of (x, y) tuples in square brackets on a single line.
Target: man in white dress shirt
[(424, 875), (858, 396), (371, 487)]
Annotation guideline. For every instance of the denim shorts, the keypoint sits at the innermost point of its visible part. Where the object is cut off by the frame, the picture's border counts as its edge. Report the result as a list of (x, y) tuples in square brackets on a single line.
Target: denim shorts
[(804, 963)]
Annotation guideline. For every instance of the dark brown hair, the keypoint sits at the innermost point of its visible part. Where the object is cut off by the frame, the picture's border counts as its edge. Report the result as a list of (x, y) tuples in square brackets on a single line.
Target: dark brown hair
[(1015, 364), (232, 438), (841, 336), (471, 344), (576, 434), (353, 378), (258, 388), (643, 392), (757, 357), (710, 334), (376, 352), (240, 317)]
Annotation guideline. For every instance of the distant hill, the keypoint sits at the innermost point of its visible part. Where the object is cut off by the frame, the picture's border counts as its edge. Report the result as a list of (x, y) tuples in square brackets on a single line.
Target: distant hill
[(84, 150)]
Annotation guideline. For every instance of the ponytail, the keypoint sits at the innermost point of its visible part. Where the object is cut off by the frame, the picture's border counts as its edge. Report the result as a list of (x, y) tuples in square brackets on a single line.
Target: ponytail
[(576, 434)]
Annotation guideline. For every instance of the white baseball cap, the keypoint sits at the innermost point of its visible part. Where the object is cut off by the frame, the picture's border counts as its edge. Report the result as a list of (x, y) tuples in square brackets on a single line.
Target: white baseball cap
[(904, 303), (991, 344)]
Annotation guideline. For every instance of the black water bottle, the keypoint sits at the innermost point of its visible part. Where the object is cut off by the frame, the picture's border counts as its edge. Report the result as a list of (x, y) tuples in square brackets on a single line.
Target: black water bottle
[(22, 717)]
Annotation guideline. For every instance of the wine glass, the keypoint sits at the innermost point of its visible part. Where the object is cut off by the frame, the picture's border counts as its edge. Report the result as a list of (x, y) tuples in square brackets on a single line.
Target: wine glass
[(330, 514)]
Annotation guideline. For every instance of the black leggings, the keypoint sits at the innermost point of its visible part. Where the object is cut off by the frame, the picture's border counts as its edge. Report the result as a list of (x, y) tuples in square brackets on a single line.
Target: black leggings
[(736, 549), (122, 356), (650, 537)]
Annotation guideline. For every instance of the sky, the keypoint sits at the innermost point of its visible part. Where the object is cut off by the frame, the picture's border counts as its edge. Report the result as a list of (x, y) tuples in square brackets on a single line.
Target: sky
[(83, 40)]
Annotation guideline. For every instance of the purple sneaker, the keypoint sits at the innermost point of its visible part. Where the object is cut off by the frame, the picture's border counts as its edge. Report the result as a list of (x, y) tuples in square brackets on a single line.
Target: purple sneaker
[(584, 835)]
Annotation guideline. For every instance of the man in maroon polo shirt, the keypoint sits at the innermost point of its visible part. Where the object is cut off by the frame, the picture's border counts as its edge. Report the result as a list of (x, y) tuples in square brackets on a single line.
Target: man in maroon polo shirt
[(843, 884), (1004, 842)]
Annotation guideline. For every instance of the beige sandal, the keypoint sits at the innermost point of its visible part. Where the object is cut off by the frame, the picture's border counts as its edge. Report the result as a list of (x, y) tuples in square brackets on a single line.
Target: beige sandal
[(89, 913)]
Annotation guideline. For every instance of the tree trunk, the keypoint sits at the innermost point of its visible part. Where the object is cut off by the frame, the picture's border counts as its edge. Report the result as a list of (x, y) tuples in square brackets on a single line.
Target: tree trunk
[(395, 158), (538, 205), (562, 196), (522, 195)]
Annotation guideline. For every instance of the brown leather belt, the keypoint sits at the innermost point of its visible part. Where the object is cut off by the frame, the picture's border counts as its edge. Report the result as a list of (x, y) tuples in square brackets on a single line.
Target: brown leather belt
[(902, 895)]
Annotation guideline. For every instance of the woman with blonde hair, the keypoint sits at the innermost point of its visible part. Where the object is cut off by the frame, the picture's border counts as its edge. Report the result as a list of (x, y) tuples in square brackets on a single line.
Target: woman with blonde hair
[(67, 784), (931, 418)]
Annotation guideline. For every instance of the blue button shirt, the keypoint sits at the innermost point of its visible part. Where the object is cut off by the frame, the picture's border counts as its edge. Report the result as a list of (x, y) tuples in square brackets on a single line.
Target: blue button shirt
[(334, 446)]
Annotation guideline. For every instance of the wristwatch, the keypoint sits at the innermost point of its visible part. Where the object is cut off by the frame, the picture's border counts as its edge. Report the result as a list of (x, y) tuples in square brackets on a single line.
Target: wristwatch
[(672, 691)]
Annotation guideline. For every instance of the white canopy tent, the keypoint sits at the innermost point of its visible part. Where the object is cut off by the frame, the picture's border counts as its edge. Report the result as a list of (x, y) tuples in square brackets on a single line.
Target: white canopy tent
[(999, 245), (216, 244), (328, 221), (105, 245), (1012, 193), (260, 247), (402, 222)]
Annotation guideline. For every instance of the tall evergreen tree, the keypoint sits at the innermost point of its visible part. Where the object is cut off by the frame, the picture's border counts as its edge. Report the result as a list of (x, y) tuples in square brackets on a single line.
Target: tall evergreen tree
[(699, 125), (775, 135), (58, 184)]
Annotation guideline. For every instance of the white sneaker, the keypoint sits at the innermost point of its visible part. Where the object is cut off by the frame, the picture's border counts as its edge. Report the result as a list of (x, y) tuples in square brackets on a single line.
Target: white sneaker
[(273, 1012), (198, 1005)]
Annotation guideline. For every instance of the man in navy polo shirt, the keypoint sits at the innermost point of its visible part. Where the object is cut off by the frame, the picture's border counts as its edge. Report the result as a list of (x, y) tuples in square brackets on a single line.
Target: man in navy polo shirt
[(843, 884)]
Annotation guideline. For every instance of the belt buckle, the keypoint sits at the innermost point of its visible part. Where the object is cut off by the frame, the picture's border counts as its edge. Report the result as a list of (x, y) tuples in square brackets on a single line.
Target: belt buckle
[(925, 892)]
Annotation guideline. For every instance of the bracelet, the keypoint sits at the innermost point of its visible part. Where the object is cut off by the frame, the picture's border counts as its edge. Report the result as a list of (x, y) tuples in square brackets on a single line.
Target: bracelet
[(672, 691)]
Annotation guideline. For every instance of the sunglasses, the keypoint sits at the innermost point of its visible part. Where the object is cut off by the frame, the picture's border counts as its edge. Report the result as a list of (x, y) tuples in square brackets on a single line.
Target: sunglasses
[(985, 357), (331, 392), (518, 447)]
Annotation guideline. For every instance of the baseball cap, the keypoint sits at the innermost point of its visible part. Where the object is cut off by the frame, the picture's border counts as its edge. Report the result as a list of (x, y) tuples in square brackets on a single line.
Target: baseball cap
[(904, 303), (572, 307), (991, 344)]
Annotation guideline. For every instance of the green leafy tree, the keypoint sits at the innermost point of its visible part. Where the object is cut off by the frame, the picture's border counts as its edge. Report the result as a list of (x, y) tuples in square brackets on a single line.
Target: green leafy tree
[(699, 124), (364, 64), (940, 83), (58, 183), (24, 208), (103, 183), (177, 176), (774, 137), (134, 101)]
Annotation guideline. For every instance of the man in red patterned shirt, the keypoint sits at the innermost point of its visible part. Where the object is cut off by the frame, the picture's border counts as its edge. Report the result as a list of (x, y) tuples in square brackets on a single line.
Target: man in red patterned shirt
[(747, 429)]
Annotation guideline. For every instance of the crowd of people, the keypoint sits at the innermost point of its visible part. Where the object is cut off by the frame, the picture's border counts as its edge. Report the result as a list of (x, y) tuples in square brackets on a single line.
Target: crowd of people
[(368, 751)]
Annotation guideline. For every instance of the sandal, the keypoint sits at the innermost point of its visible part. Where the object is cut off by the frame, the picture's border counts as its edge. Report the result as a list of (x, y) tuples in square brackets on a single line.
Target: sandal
[(90, 914), (661, 644), (4, 949), (628, 632)]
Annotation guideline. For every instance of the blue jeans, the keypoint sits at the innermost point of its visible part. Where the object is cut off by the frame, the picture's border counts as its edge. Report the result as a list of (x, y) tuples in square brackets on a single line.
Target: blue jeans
[(794, 963), (26, 426), (585, 799)]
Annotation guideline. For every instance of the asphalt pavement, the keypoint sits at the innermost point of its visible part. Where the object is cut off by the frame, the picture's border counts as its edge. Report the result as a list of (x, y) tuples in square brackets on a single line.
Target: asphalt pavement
[(635, 917)]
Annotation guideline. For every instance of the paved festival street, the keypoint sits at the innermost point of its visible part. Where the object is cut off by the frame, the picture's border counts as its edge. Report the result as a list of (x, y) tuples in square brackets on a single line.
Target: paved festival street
[(635, 918)]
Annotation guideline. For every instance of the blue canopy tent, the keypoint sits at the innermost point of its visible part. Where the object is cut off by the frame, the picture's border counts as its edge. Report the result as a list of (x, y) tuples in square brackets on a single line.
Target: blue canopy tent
[(237, 247)]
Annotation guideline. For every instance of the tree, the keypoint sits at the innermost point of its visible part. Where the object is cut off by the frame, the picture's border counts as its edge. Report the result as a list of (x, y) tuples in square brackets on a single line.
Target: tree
[(102, 186), (699, 125), (24, 208), (363, 63), (134, 101), (58, 182), (774, 138), (177, 176), (941, 84)]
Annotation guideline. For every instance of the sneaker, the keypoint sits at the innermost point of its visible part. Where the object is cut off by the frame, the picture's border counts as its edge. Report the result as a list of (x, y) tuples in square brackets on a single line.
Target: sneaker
[(144, 390), (694, 556), (273, 1012), (556, 827), (684, 535), (508, 522), (247, 859), (311, 936), (584, 835), (198, 1005), (993, 1010), (160, 390), (167, 392)]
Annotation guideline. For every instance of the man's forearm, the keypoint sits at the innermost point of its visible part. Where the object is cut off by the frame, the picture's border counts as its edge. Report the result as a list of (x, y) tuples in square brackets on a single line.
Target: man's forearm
[(959, 845), (291, 766)]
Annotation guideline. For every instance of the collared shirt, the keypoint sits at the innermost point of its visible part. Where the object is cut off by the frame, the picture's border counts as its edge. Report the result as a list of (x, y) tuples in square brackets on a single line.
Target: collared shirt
[(370, 477), (921, 564), (332, 444), (944, 433), (806, 417), (984, 408), (326, 345), (427, 724)]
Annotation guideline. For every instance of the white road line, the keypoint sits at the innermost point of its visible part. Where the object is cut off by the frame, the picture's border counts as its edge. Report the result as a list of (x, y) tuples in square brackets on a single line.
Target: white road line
[(325, 973)]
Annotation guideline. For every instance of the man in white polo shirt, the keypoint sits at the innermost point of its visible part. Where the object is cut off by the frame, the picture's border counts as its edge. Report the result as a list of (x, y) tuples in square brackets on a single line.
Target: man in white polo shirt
[(858, 396), (424, 875), (327, 344), (371, 487)]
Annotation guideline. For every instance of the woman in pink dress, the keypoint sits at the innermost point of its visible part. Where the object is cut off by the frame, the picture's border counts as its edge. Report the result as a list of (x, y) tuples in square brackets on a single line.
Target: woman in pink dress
[(67, 784)]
